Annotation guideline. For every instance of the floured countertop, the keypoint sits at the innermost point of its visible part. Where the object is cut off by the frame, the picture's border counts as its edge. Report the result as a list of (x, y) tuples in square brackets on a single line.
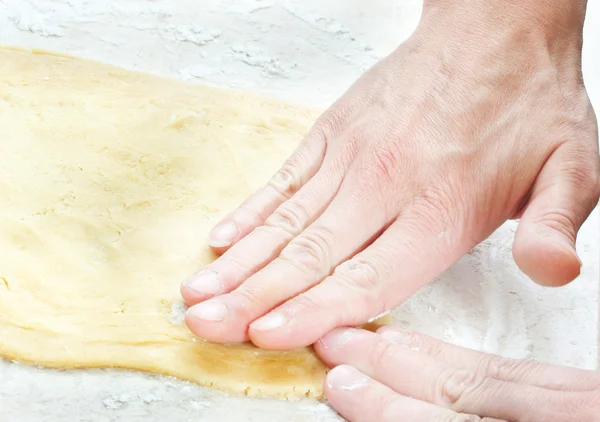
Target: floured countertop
[(308, 51)]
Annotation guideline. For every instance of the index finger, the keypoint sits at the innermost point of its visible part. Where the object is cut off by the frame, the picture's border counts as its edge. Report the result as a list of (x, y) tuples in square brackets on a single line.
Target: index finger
[(423, 377), (552, 377)]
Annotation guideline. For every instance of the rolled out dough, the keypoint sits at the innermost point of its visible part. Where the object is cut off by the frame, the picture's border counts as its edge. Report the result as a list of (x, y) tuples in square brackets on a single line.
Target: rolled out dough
[(110, 181)]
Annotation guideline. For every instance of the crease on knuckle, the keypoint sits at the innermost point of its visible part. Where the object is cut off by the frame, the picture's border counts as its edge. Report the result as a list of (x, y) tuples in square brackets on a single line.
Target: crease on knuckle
[(382, 354), (359, 274), (301, 304), (495, 366), (310, 252), (500, 367), (455, 386), (288, 180), (232, 259), (251, 294), (385, 163), (560, 220), (583, 173), (363, 278), (387, 408), (433, 347), (290, 218), (247, 211)]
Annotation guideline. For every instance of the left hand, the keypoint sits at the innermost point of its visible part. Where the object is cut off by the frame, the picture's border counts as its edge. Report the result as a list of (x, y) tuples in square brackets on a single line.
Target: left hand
[(393, 375)]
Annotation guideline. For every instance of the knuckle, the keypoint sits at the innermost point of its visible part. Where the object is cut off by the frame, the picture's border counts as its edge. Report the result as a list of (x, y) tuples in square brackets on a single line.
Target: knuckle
[(437, 209), (234, 262), (386, 407), (430, 347), (436, 201), (582, 171), (302, 304), (585, 176), (454, 385), (288, 180), (329, 123), (385, 163), (501, 367), (362, 277), (382, 354), (290, 217), (374, 177), (252, 295), (595, 182), (561, 220), (359, 274), (311, 251)]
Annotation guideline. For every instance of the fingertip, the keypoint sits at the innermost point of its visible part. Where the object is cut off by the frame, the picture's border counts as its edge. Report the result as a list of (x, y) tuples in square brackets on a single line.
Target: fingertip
[(201, 286), (549, 261), (190, 297), (280, 331), (223, 235), (345, 378), (216, 321)]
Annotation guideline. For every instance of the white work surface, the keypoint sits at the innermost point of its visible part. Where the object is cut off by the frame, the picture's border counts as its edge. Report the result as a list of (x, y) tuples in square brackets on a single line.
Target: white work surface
[(309, 51)]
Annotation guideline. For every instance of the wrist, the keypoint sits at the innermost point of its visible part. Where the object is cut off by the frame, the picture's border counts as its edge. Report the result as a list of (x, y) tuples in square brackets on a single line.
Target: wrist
[(549, 31), (554, 20)]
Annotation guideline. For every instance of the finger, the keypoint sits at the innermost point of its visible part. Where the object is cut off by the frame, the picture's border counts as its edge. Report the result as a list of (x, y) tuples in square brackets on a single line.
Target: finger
[(302, 165), (265, 243), (304, 262), (562, 198), (359, 398), (404, 258), (552, 377), (418, 375)]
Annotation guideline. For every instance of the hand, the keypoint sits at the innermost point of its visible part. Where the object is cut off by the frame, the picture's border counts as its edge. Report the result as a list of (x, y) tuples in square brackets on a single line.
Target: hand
[(481, 116), (395, 376)]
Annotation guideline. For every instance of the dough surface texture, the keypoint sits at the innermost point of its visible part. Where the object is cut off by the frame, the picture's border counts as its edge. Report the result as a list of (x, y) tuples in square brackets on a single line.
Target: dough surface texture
[(110, 181)]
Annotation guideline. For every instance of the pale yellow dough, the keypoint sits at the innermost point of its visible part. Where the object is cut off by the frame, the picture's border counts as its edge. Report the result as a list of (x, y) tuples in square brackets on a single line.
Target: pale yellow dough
[(110, 181)]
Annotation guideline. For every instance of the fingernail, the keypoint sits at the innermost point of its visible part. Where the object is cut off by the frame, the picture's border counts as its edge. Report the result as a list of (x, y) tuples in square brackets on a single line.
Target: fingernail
[(223, 235), (206, 282), (338, 338), (270, 322), (395, 336), (212, 310), (346, 378)]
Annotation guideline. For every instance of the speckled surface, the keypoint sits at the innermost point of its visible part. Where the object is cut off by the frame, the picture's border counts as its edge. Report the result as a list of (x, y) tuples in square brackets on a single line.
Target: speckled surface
[(308, 51)]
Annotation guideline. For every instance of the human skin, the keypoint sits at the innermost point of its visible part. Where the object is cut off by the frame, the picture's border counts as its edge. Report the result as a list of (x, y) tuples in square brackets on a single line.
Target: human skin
[(479, 117), (396, 375)]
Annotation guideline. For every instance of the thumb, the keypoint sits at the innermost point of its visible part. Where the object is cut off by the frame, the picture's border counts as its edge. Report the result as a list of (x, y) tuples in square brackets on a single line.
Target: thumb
[(563, 196)]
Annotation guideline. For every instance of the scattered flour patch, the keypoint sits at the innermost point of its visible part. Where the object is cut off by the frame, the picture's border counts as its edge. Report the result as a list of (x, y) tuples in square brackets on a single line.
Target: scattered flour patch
[(35, 23), (190, 33), (150, 398), (253, 56), (116, 402), (177, 315)]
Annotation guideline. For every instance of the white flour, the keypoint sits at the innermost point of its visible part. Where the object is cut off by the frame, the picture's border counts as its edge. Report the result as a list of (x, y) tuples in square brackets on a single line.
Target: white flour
[(309, 51)]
